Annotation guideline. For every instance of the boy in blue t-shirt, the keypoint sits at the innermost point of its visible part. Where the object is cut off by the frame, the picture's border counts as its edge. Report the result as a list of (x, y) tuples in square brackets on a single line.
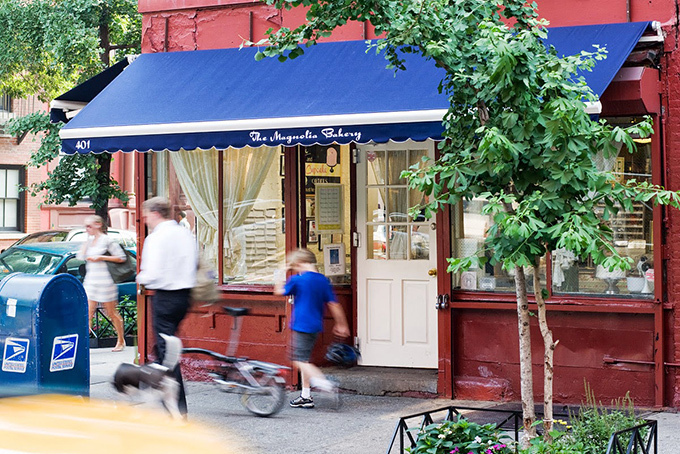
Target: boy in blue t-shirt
[(312, 291)]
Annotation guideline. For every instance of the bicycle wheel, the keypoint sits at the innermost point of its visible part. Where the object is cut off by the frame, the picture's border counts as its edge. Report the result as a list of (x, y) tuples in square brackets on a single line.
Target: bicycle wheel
[(268, 399)]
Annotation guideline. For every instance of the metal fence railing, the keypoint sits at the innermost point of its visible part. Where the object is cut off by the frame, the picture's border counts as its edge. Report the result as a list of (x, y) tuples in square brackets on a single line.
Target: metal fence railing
[(641, 439), (102, 326)]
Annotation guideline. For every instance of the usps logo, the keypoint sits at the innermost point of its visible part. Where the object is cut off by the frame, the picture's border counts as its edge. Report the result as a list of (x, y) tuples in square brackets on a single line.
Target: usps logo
[(16, 355), (64, 353)]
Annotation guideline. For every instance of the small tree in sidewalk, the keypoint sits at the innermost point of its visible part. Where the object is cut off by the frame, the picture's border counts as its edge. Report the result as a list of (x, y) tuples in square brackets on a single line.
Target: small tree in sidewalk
[(516, 134)]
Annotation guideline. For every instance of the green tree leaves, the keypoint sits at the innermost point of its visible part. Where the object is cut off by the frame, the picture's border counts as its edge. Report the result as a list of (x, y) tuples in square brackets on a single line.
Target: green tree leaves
[(47, 47), (76, 177)]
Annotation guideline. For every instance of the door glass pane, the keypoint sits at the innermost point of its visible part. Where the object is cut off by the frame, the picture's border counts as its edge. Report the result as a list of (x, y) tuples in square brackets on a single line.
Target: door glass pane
[(397, 205), (375, 202), (420, 242), (377, 243), (376, 167), (398, 242), (388, 200), (397, 162), (416, 157)]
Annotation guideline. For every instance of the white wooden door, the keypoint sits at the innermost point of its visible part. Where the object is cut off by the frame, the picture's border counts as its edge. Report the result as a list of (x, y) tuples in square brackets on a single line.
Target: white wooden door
[(397, 288)]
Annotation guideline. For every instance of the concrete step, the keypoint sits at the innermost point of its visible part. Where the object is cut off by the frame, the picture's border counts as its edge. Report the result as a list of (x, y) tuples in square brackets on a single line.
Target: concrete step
[(385, 381)]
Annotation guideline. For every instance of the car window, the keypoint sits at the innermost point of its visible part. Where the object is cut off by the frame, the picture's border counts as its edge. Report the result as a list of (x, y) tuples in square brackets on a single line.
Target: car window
[(75, 267), (78, 236), (43, 237), (31, 262)]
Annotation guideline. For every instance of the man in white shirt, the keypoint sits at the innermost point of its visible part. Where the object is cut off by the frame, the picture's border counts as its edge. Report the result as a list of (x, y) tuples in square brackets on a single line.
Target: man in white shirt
[(168, 267)]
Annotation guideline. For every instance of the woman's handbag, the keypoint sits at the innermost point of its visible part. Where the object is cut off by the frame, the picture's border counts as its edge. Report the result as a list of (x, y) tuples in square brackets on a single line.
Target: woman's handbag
[(121, 272)]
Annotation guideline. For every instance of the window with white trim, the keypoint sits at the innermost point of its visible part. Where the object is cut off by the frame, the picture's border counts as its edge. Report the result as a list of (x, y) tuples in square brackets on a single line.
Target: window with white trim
[(11, 198)]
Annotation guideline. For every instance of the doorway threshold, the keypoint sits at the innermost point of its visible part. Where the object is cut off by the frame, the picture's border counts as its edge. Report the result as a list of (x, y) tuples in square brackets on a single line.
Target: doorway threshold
[(385, 381)]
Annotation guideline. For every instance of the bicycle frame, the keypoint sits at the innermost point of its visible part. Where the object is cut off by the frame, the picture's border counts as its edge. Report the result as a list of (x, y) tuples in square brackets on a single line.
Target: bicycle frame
[(256, 380)]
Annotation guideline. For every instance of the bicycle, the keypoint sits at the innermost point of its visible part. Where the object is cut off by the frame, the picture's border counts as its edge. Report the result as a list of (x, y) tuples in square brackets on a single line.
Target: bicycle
[(260, 383)]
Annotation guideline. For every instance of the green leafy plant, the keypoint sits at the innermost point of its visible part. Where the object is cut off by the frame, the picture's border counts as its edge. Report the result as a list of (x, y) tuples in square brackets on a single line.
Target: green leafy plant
[(128, 310), (594, 424), (103, 328), (461, 437), (559, 441)]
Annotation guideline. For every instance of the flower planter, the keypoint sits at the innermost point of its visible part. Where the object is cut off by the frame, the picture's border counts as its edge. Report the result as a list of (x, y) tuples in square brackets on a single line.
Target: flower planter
[(640, 439)]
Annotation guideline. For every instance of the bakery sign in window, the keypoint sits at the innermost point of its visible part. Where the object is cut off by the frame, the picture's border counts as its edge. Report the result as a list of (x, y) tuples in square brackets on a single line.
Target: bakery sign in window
[(328, 202)]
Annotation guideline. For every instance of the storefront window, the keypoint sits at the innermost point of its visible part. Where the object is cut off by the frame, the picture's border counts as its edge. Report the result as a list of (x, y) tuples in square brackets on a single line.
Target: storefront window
[(252, 206), (468, 234), (254, 240), (325, 227), (632, 236)]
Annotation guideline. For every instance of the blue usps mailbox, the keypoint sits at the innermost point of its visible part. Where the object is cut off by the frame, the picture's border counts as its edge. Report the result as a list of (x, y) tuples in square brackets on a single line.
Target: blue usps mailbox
[(44, 335)]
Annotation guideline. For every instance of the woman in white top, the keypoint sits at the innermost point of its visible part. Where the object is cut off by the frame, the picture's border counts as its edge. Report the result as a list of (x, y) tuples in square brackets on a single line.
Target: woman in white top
[(98, 283)]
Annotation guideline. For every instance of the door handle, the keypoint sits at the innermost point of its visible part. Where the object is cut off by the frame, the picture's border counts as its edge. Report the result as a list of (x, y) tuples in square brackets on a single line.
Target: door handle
[(432, 272), (442, 302)]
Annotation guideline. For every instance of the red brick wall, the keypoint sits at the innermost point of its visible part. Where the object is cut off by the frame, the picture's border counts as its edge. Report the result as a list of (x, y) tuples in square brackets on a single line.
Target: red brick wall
[(12, 153)]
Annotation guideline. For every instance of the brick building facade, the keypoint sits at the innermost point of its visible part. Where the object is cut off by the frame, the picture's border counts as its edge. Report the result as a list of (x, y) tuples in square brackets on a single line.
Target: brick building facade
[(610, 331)]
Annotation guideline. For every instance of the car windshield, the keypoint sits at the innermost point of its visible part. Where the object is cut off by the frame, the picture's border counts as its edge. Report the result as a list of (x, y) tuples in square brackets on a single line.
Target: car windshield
[(25, 261), (44, 237)]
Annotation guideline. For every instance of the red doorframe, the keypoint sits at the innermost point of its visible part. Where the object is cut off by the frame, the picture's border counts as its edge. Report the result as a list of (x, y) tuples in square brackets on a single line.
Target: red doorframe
[(143, 309), (444, 290)]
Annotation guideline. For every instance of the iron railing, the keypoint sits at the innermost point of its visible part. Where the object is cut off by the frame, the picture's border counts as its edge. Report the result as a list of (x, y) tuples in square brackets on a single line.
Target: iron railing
[(408, 426), (102, 326), (641, 439)]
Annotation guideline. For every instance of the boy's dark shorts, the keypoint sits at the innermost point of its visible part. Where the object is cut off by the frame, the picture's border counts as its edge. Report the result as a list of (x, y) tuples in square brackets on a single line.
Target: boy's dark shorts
[(303, 343)]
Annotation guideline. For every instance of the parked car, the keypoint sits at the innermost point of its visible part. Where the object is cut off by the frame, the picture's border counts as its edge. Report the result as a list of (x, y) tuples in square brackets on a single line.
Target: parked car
[(125, 238), (55, 258)]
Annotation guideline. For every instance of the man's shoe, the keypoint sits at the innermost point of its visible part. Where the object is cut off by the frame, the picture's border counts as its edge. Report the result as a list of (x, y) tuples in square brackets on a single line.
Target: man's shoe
[(301, 402)]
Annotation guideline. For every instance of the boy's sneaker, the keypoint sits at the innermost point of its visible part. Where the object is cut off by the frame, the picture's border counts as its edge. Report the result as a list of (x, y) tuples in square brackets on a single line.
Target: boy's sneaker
[(301, 402)]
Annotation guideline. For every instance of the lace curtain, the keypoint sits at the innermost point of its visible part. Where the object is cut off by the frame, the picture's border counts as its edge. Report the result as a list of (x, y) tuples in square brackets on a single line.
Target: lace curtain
[(244, 173)]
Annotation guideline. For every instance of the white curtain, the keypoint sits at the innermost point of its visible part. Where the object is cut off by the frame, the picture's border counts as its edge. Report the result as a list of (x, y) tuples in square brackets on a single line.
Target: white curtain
[(196, 171), (244, 172)]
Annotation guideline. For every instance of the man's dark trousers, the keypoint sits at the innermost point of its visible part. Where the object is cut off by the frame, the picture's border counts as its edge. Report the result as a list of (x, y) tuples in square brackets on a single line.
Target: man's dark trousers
[(168, 309)]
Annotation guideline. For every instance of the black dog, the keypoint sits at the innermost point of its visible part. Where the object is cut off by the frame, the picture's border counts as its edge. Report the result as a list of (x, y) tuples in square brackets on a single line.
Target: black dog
[(153, 380)]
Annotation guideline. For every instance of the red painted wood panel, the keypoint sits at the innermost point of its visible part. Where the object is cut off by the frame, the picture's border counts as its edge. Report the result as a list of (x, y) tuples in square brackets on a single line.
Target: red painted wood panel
[(487, 354)]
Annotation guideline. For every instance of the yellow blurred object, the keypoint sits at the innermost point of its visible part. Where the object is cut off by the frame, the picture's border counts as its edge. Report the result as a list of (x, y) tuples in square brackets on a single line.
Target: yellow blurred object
[(59, 424)]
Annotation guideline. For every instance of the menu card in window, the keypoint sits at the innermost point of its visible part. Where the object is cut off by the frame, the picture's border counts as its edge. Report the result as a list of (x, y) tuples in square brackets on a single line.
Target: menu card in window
[(328, 202)]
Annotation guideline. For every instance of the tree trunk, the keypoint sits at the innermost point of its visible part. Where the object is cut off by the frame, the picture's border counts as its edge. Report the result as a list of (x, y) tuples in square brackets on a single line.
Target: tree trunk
[(104, 38), (102, 201), (548, 352), (526, 378)]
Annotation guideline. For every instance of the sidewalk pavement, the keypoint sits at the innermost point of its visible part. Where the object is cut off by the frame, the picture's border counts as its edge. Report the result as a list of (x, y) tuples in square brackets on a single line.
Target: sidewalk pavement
[(363, 425)]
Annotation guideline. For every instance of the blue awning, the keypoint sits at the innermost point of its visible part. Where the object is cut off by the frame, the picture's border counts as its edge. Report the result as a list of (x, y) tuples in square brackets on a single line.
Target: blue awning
[(61, 108), (618, 39), (335, 93)]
